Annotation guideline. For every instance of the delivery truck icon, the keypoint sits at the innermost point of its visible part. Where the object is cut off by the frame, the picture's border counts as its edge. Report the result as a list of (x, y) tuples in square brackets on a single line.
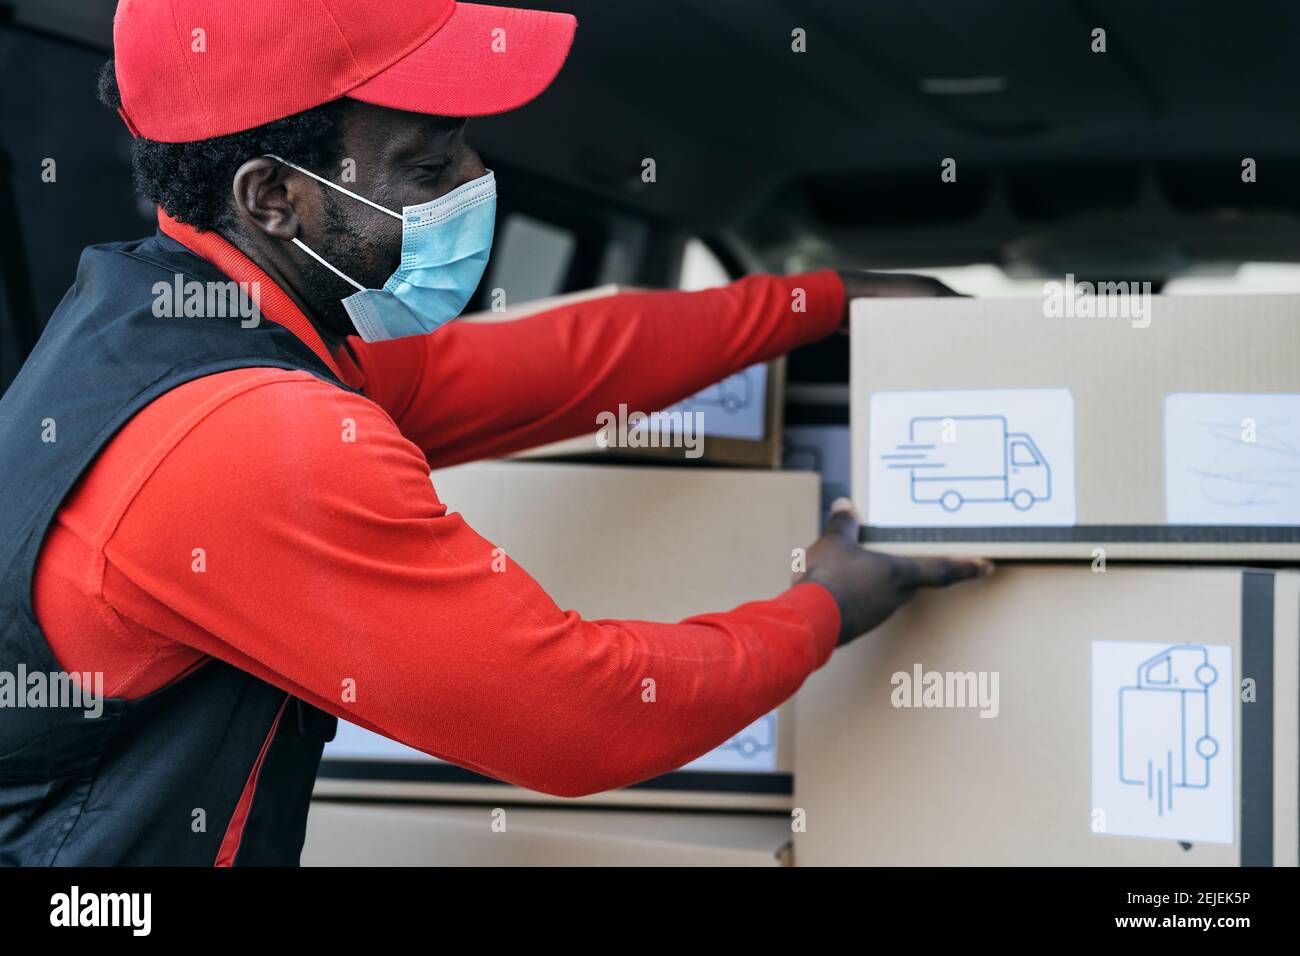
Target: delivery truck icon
[(754, 739), (1164, 724), (733, 393), (958, 459)]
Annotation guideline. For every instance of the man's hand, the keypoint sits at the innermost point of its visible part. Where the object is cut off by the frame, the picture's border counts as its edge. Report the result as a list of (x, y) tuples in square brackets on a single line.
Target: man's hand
[(861, 284), (869, 586)]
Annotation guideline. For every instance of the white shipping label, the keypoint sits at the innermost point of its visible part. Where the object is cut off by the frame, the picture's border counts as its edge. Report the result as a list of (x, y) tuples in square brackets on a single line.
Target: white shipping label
[(1232, 459), (753, 749), (979, 458), (736, 407), (1163, 761)]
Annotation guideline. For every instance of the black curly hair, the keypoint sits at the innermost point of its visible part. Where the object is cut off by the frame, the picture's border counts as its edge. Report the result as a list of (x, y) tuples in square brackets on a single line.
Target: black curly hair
[(192, 181)]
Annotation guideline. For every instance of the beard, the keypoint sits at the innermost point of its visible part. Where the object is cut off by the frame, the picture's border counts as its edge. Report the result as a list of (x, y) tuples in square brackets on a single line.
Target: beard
[(366, 255)]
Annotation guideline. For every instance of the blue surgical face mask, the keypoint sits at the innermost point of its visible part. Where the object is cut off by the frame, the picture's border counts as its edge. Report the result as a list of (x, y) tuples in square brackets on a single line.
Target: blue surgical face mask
[(445, 246)]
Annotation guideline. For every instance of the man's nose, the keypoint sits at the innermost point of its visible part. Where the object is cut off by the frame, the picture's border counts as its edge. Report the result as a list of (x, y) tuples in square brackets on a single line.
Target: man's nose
[(469, 168)]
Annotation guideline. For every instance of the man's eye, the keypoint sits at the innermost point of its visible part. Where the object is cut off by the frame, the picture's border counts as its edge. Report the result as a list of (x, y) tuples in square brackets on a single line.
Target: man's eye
[(434, 169)]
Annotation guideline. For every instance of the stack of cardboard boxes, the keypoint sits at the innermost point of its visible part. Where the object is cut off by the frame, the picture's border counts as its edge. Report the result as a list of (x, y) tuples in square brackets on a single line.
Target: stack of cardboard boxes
[(1123, 690)]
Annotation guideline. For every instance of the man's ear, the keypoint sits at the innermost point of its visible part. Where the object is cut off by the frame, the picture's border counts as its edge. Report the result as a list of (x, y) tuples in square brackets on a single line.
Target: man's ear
[(272, 198)]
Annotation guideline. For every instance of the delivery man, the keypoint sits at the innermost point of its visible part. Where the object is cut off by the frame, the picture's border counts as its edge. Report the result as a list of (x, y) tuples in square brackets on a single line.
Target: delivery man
[(224, 525)]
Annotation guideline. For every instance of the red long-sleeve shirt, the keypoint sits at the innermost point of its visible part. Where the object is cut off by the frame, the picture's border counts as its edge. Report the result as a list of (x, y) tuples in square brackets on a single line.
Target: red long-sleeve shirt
[(331, 569)]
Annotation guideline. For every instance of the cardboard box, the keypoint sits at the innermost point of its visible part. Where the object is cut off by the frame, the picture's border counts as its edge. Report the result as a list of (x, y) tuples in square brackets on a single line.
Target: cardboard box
[(717, 450), (341, 834), (998, 427), (620, 542), (725, 407), (1101, 687)]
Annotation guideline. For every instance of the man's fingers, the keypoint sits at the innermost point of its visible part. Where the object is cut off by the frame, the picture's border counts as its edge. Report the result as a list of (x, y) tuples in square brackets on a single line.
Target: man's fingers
[(940, 572), (843, 520)]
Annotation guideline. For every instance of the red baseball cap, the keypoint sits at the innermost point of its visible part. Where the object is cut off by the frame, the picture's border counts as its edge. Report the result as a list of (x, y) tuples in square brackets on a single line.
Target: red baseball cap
[(194, 69)]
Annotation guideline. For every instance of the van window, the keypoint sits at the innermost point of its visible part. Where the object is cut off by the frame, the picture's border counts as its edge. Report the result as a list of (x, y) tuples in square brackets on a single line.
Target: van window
[(701, 268), (531, 260), (1021, 454)]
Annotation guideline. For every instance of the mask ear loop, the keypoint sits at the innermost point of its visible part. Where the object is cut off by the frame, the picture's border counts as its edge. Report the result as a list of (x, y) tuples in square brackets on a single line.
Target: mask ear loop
[(346, 278), (306, 248), (346, 192)]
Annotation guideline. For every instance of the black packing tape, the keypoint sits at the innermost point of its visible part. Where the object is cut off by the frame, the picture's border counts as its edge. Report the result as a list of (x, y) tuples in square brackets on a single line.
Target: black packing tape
[(1257, 719)]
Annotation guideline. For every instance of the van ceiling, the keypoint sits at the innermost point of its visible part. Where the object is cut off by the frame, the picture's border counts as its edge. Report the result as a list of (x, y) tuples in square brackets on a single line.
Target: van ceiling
[(1126, 160)]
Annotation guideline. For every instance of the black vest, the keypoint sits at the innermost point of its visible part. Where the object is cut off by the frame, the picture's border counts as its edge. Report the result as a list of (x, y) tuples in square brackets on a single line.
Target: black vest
[(166, 779)]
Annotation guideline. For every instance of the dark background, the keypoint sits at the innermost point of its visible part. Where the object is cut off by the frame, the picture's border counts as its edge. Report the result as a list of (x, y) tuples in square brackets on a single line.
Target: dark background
[(1122, 165)]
